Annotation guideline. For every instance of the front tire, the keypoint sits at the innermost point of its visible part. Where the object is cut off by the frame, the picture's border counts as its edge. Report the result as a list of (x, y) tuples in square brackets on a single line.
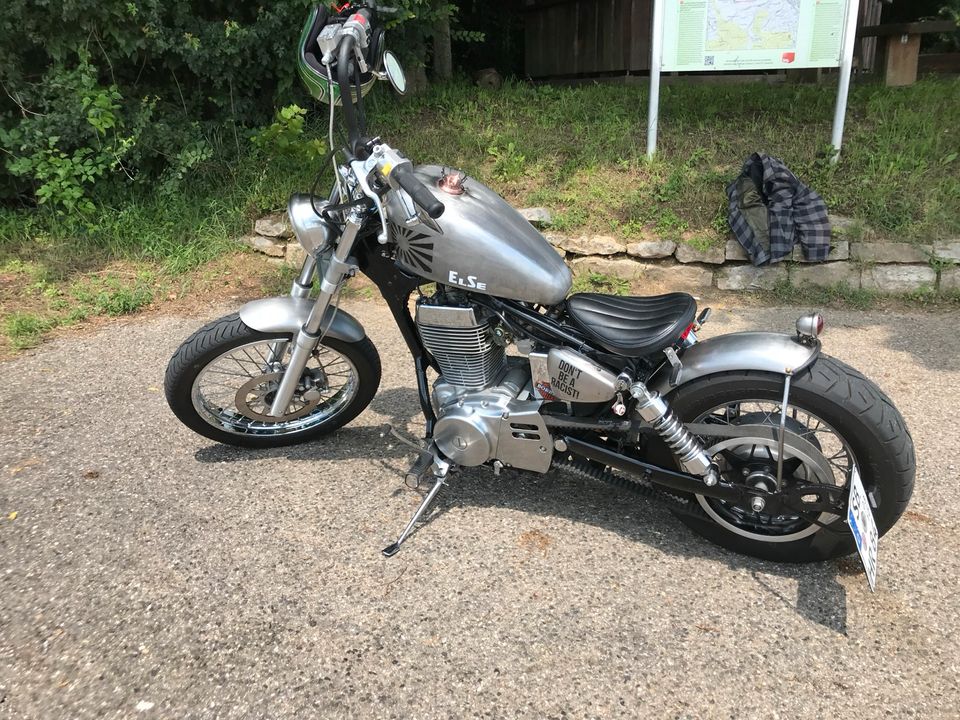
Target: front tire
[(869, 431), (220, 380)]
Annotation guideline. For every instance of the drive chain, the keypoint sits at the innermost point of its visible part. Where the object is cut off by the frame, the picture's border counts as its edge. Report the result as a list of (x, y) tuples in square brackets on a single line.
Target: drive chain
[(584, 469)]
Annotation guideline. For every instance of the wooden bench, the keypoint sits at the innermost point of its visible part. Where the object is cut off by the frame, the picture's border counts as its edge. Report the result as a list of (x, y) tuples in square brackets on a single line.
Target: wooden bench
[(902, 47)]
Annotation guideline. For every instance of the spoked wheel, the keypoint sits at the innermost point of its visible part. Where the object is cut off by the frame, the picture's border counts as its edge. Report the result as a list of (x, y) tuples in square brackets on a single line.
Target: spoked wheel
[(223, 380), (754, 462), (843, 424)]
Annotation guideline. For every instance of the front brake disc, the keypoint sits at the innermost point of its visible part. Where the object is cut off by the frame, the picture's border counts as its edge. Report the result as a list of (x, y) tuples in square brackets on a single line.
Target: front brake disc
[(259, 391)]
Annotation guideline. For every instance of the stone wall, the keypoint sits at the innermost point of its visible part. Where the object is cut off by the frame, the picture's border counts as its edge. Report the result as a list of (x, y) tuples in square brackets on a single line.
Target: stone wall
[(662, 264), (273, 236)]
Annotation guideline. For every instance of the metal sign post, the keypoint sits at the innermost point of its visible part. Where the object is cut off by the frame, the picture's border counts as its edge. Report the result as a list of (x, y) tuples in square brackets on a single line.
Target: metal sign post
[(826, 43), (656, 56), (846, 69)]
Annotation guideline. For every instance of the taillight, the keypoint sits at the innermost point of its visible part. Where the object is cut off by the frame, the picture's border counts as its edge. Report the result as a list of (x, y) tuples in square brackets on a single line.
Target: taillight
[(810, 326)]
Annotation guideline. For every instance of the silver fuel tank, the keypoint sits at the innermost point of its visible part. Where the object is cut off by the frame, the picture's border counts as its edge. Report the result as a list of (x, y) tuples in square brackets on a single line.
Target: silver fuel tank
[(480, 243)]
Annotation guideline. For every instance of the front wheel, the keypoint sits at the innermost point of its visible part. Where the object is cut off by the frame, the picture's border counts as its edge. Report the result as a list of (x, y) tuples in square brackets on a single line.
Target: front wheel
[(221, 381), (850, 423)]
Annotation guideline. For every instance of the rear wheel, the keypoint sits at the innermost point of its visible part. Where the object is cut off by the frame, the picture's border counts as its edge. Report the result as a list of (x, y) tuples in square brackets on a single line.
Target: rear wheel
[(221, 383), (849, 425)]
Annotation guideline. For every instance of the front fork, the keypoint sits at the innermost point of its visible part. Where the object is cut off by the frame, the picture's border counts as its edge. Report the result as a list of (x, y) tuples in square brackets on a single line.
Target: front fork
[(305, 341), (299, 289)]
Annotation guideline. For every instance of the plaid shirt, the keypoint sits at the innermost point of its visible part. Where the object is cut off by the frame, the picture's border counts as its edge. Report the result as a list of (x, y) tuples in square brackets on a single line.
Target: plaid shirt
[(771, 210)]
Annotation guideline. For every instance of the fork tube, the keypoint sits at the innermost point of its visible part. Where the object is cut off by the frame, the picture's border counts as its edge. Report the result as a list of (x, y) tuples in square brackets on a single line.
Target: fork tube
[(310, 334), (300, 288)]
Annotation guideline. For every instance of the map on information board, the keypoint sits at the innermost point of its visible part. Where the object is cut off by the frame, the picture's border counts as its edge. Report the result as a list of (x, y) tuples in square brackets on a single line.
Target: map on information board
[(714, 35)]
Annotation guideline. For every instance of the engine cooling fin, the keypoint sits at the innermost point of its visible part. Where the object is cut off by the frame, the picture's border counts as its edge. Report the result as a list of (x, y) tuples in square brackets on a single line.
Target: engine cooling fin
[(463, 345)]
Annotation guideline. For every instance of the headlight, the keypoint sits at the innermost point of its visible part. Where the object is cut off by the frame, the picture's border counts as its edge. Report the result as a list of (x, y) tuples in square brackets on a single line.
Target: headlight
[(313, 232)]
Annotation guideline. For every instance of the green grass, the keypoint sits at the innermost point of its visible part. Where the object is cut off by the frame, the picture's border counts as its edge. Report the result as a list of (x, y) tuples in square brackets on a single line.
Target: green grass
[(578, 150), (599, 283), (847, 297), (839, 295), (583, 150), (25, 329), (57, 304)]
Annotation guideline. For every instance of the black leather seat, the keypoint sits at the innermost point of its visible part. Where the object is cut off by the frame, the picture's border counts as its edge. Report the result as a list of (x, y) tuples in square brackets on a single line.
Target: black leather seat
[(632, 326)]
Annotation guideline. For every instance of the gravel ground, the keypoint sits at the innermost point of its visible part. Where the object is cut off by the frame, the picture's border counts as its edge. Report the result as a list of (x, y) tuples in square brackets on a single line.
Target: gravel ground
[(148, 573)]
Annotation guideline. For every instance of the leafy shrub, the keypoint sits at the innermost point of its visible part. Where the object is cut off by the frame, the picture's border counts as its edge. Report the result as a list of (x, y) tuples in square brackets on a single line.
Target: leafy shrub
[(149, 90), (74, 137), (284, 136)]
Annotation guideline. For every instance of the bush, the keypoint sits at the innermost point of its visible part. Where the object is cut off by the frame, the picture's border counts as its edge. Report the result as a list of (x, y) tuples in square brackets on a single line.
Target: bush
[(147, 90)]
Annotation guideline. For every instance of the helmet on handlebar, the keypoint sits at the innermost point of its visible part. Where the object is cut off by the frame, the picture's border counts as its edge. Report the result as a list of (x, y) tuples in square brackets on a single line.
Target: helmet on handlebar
[(315, 40)]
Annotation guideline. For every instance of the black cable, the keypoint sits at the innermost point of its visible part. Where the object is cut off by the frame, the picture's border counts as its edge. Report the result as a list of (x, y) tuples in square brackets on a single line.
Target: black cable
[(316, 181), (360, 109)]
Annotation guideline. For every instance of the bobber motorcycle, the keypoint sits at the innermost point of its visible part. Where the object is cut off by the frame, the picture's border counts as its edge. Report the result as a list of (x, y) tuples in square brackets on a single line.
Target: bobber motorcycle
[(758, 441)]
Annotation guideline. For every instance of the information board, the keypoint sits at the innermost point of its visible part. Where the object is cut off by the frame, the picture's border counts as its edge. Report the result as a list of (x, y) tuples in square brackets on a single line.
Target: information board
[(718, 35)]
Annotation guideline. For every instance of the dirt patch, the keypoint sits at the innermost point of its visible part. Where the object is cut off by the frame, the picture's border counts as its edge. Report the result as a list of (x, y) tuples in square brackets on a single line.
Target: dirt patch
[(918, 516), (535, 541)]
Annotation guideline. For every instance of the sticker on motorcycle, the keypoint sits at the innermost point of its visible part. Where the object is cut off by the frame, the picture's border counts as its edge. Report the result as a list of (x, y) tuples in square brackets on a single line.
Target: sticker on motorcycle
[(545, 391), (565, 381), (470, 281), (414, 249)]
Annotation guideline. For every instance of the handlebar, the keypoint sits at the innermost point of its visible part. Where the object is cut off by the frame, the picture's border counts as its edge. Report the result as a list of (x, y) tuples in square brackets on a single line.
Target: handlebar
[(351, 57), (344, 60), (419, 192)]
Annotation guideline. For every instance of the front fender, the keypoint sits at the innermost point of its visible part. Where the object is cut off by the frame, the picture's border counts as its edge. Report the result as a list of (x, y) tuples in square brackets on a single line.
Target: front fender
[(288, 314), (770, 352)]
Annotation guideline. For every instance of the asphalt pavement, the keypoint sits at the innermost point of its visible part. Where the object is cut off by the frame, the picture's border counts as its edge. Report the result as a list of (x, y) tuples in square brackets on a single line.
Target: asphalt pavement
[(150, 573)]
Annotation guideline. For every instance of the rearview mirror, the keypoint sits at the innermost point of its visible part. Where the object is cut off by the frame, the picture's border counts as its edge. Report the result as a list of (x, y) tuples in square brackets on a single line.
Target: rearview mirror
[(395, 72)]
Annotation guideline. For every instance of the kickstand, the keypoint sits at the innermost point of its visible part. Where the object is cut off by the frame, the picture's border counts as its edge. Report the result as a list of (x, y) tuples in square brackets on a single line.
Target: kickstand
[(440, 481)]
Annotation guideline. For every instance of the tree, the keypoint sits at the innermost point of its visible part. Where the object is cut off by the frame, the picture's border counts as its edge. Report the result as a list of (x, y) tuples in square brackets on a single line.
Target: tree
[(442, 50)]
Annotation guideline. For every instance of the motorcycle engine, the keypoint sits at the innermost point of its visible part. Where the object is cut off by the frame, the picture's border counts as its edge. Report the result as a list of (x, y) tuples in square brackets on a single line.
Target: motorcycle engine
[(483, 400)]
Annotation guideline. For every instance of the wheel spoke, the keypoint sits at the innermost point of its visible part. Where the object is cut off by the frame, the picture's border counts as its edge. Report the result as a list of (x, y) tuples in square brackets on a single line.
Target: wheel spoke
[(753, 461), (220, 388)]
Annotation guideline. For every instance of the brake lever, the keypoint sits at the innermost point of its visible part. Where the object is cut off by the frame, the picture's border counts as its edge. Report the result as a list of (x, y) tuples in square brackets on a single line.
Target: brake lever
[(362, 170)]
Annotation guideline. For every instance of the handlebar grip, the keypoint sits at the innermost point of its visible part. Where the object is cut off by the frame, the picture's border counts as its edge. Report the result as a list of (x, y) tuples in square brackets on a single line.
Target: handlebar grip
[(417, 190)]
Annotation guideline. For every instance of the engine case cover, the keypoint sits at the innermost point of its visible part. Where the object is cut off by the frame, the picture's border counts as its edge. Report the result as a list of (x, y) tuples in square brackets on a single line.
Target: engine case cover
[(480, 243), (475, 427)]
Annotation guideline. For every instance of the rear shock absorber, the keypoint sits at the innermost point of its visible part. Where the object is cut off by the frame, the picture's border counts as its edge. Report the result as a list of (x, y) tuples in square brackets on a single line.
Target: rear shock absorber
[(686, 446)]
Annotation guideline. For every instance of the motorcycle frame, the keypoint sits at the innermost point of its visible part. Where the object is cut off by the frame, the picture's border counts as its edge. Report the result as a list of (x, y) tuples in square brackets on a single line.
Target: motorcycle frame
[(396, 287)]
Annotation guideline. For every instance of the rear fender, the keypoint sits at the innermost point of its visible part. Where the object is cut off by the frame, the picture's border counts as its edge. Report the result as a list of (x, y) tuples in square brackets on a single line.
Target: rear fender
[(288, 314), (770, 352)]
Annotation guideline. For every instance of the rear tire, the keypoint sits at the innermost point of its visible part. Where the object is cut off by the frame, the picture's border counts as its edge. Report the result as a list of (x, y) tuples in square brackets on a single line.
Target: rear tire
[(858, 412), (358, 362)]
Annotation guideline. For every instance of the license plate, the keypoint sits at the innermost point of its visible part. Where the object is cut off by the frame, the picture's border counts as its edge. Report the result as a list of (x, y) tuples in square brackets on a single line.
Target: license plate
[(864, 529)]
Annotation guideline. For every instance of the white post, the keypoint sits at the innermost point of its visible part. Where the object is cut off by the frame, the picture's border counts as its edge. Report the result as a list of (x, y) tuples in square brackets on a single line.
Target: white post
[(846, 69), (656, 53)]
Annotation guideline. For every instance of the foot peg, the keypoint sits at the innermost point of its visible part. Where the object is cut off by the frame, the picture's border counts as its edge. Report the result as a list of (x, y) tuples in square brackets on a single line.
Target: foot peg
[(427, 464), (420, 466), (419, 469)]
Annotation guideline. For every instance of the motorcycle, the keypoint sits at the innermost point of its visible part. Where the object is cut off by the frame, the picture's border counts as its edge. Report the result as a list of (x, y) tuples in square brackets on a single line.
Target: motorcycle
[(757, 441)]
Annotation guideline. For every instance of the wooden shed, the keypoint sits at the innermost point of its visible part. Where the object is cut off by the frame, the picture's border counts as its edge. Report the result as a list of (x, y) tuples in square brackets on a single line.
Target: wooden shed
[(597, 38)]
